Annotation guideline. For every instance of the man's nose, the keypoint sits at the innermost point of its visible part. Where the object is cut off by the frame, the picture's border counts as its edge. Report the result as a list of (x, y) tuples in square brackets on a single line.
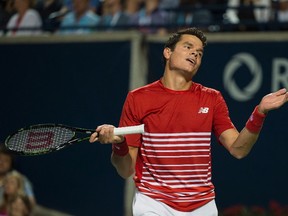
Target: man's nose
[(194, 52)]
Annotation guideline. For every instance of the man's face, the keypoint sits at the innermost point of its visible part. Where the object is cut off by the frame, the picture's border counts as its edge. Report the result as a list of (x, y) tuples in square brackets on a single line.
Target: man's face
[(20, 3), (186, 56), (5, 163), (80, 6)]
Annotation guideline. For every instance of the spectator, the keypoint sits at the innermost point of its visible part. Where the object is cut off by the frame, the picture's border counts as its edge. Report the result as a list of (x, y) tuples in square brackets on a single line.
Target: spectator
[(7, 165), (133, 6), (150, 18), (6, 12), (13, 187), (198, 15), (282, 11), (80, 20), (248, 13), (26, 21), (169, 4), (217, 9), (20, 206), (45, 9), (113, 14), (7, 161), (93, 5)]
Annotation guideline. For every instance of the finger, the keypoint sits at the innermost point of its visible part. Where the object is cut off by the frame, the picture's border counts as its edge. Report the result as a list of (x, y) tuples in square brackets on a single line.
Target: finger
[(281, 99), (99, 128), (286, 97), (281, 92), (93, 137), (106, 134)]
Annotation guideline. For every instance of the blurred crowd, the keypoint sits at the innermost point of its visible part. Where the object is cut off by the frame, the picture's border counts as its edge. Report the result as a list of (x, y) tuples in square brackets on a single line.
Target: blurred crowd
[(17, 197), (34, 17)]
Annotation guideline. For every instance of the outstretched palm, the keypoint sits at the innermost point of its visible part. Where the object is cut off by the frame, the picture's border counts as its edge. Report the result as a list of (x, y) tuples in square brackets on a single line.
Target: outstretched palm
[(273, 100)]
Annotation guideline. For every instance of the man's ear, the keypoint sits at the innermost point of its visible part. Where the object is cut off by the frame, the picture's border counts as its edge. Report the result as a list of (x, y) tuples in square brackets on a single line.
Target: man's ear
[(167, 52)]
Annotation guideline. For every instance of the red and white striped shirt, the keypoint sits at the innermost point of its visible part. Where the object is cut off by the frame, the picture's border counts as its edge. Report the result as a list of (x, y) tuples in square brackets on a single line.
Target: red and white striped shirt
[(174, 156)]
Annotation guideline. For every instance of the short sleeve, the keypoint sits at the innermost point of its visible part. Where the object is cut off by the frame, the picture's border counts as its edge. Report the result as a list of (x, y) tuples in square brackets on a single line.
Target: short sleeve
[(221, 118), (129, 118)]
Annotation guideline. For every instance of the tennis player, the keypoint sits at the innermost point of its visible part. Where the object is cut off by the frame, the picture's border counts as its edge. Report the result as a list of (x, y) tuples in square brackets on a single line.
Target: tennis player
[(171, 161)]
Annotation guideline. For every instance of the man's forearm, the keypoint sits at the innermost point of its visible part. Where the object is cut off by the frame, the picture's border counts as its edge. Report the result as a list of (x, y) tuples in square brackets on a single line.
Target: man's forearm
[(123, 165), (243, 144), (249, 134)]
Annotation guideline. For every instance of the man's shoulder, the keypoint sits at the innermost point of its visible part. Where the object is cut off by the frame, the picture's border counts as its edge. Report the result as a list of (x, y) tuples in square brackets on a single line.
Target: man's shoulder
[(205, 89), (145, 88), (32, 12)]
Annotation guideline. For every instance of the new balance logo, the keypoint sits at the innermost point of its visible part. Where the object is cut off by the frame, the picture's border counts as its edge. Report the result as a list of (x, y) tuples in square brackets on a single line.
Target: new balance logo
[(203, 110)]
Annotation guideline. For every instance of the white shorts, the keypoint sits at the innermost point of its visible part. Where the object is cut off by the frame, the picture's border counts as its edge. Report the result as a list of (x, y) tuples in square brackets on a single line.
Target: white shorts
[(146, 206)]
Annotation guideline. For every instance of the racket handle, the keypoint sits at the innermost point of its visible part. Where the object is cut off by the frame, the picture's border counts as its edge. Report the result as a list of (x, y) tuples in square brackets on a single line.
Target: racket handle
[(139, 129)]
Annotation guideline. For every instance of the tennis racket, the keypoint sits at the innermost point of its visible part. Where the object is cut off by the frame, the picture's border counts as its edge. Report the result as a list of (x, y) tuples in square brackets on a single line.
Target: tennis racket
[(45, 138)]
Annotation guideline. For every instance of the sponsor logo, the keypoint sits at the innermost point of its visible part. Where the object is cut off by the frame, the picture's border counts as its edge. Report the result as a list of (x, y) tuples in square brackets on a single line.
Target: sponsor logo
[(203, 110), (233, 66)]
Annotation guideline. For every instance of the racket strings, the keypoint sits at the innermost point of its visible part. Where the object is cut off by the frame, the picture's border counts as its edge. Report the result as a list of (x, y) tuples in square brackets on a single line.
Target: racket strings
[(39, 139)]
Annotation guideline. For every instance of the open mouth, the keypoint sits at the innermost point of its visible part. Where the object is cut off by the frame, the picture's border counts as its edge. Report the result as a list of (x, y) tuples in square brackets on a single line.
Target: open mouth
[(192, 61)]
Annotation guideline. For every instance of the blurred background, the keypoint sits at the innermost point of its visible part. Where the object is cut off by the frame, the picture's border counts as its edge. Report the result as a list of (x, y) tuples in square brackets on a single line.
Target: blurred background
[(73, 62)]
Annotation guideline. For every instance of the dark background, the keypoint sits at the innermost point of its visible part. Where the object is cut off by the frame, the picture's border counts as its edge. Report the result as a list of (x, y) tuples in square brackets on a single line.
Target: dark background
[(85, 84), (78, 84)]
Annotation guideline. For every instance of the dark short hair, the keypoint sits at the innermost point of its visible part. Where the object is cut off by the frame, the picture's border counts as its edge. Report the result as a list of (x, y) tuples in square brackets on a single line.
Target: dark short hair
[(4, 149), (175, 38)]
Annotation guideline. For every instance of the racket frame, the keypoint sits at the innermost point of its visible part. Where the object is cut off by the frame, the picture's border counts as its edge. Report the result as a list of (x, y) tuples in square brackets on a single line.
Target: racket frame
[(139, 129)]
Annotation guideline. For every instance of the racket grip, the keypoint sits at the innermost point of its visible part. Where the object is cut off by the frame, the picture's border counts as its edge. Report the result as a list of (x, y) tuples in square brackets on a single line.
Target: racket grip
[(139, 129)]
